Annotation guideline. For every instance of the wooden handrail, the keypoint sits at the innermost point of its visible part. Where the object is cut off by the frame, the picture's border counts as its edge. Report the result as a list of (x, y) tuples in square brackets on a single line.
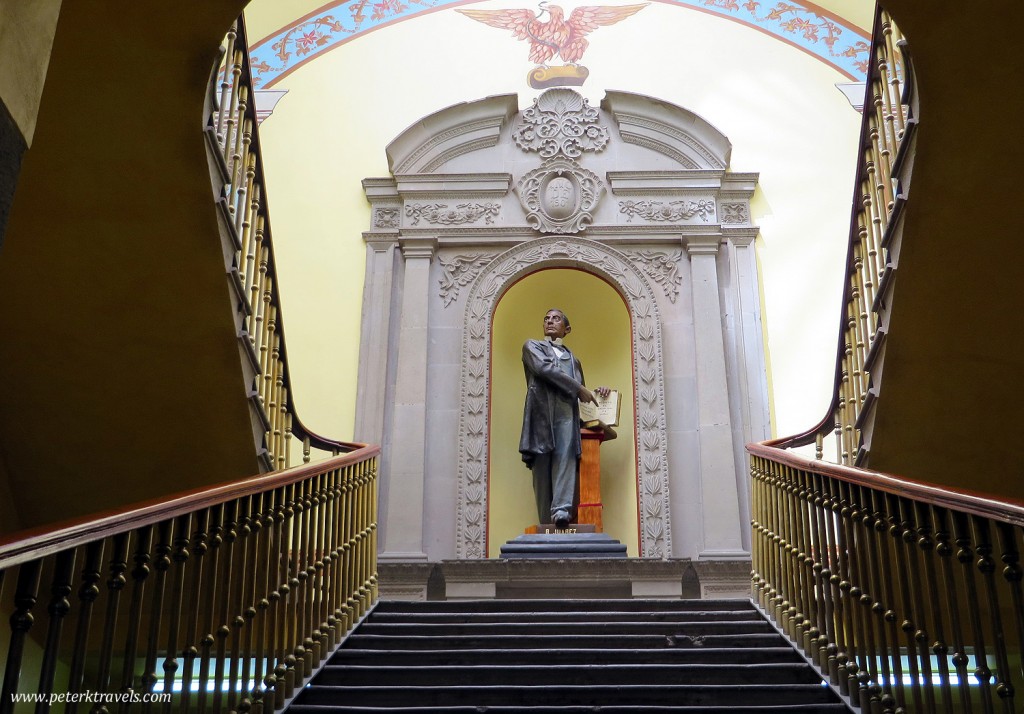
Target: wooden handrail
[(227, 596), (977, 503), (16, 548)]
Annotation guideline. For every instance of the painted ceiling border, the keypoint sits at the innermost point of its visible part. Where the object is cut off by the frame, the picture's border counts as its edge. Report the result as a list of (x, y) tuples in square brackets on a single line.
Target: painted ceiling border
[(802, 25)]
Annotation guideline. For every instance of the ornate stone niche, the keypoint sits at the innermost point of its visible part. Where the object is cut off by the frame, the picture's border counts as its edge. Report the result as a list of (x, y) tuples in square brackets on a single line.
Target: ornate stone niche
[(637, 192)]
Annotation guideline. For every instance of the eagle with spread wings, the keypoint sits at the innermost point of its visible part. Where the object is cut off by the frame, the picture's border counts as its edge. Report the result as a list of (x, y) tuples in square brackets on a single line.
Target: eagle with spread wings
[(556, 36)]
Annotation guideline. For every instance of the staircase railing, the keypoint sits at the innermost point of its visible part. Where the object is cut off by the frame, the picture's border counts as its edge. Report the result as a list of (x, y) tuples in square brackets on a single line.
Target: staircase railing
[(883, 173), (234, 143), (906, 595), (220, 599)]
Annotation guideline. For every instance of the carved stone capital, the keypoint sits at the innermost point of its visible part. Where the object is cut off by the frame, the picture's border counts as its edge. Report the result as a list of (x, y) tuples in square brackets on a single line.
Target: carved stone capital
[(702, 245), (419, 247)]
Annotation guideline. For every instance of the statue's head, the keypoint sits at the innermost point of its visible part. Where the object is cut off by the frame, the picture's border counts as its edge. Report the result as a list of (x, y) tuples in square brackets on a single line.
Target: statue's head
[(556, 324)]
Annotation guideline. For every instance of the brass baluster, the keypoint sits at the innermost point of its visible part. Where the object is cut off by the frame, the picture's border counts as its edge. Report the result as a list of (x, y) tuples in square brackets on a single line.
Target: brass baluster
[(26, 593), (140, 574), (915, 603), (965, 556), (869, 683), (881, 585), (115, 584), (823, 575), (904, 563), (805, 559), (262, 586), (943, 534), (88, 591), (291, 588), (236, 596), (57, 609), (252, 526), (227, 88), (227, 575), (306, 584), (986, 566), (190, 651), (939, 647), (279, 598), (318, 613), (848, 600), (212, 576), (179, 558), (1010, 555), (371, 468), (349, 554), (161, 563)]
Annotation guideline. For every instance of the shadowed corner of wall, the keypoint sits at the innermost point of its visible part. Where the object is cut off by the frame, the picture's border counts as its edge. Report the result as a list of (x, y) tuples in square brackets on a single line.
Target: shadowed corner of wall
[(691, 584), (12, 149), (436, 587)]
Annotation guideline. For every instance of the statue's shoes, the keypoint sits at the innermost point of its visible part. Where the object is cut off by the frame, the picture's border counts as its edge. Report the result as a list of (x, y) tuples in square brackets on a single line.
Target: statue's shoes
[(560, 519)]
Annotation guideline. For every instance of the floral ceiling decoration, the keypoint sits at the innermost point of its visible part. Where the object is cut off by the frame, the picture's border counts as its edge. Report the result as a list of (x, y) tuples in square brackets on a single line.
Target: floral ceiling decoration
[(833, 41)]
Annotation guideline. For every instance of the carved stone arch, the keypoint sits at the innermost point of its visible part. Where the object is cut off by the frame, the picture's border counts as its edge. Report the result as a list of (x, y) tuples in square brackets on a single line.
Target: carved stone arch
[(649, 391)]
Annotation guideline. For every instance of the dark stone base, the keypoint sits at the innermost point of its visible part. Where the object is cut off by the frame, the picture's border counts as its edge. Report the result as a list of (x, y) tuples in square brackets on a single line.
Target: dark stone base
[(564, 545)]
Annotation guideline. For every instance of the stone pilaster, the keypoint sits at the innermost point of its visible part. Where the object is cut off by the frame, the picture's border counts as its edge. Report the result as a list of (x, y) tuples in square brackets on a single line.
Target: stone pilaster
[(403, 537), (719, 498)]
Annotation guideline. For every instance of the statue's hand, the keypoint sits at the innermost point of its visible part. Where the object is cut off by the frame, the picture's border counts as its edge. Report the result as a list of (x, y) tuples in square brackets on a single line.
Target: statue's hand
[(603, 392), (585, 395)]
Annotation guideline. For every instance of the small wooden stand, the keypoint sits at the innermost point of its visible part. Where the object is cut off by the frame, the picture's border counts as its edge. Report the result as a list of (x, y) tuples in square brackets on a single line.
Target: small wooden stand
[(590, 507)]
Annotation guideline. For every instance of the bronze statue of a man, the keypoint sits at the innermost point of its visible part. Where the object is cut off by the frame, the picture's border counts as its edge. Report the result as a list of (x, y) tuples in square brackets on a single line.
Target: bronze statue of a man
[(550, 441)]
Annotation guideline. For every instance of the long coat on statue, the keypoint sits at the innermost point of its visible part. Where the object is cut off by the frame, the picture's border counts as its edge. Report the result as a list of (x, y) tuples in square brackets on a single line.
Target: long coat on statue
[(546, 382)]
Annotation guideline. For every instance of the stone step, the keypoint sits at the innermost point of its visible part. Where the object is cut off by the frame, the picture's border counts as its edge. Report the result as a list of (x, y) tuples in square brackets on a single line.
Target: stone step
[(566, 628), (549, 673), (668, 616), (565, 655), (571, 694), (510, 641), (813, 708), (567, 605)]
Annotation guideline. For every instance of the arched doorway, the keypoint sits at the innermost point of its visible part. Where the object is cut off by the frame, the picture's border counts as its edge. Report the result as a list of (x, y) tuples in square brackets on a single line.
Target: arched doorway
[(601, 338)]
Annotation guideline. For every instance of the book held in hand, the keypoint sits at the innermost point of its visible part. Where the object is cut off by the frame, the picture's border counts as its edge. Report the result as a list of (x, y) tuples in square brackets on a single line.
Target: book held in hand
[(605, 412)]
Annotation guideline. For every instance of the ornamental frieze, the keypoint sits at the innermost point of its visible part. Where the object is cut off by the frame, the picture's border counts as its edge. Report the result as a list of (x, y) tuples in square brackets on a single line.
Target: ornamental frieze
[(443, 214), (560, 196), (669, 212), (560, 122)]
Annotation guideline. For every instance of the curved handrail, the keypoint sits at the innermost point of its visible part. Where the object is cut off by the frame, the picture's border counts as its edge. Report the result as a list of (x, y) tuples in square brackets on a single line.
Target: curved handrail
[(885, 159), (237, 148), (29, 544)]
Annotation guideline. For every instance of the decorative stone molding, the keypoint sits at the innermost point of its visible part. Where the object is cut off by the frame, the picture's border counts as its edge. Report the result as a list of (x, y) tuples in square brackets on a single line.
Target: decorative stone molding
[(560, 196), (441, 213), (649, 390), (386, 218), (734, 213), (460, 271), (662, 268), (560, 122), (671, 212)]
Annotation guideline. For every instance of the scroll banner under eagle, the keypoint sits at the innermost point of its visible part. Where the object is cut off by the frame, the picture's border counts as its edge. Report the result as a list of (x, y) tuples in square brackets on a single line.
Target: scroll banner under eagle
[(555, 36)]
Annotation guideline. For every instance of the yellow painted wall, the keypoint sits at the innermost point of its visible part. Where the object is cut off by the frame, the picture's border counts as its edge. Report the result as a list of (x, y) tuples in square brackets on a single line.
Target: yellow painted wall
[(600, 338), (778, 106), (26, 36)]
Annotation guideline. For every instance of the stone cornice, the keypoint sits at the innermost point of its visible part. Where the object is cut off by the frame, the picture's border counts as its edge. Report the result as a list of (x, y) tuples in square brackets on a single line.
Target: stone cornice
[(702, 245), (646, 183), (420, 186)]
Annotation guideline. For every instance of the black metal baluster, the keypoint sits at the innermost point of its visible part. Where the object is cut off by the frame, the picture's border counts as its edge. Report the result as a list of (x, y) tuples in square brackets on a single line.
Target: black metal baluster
[(987, 567), (25, 594), (965, 556), (140, 573), (88, 591), (58, 609), (179, 558)]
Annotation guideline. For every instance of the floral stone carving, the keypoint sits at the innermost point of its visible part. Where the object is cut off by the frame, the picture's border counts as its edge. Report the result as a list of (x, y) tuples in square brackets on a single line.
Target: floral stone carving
[(440, 213), (667, 212), (560, 122), (662, 268), (386, 218), (560, 196), (460, 271), (734, 213), (648, 386)]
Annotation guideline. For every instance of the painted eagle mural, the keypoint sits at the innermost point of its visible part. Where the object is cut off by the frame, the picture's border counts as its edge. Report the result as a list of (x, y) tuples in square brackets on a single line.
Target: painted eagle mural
[(555, 36)]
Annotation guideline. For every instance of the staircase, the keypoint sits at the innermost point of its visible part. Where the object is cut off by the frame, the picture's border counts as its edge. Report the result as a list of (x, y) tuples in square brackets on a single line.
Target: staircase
[(566, 656)]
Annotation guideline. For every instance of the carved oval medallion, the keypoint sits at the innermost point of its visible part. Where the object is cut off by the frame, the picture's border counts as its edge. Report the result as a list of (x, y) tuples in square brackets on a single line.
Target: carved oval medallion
[(560, 197)]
